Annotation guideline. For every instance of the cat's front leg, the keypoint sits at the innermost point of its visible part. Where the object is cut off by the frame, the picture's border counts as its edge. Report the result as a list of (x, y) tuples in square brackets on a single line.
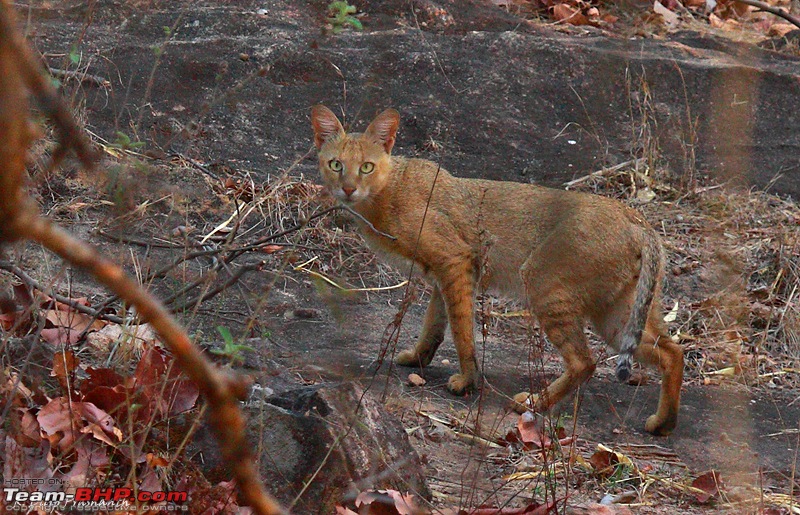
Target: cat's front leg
[(456, 283), (433, 329)]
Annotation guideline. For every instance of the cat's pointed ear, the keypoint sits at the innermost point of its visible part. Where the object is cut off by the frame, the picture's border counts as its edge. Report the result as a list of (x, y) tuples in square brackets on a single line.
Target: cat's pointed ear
[(325, 124), (383, 129)]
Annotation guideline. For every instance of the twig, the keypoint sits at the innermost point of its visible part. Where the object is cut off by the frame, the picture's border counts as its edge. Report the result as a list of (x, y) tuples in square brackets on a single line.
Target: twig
[(32, 283), (221, 287), (777, 11), (83, 77), (137, 241), (604, 171), (369, 224), (31, 70)]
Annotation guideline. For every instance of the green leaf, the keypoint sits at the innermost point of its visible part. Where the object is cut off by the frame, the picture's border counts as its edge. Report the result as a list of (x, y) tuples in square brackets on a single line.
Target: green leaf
[(354, 22), (74, 55), (226, 335)]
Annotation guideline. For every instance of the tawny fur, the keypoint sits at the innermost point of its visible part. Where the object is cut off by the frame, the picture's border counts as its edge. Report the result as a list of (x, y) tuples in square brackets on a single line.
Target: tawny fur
[(574, 258)]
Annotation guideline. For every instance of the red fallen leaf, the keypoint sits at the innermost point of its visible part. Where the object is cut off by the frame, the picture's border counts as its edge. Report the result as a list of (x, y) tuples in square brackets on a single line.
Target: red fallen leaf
[(156, 368), (271, 249), (340, 510), (95, 415), (529, 431), (102, 377), (149, 480), (670, 4), (58, 336), (91, 457), (58, 422), (114, 401), (710, 483), (569, 14)]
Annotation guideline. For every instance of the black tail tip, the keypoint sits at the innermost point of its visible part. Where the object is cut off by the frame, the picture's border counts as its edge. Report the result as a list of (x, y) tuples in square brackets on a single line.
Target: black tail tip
[(624, 368)]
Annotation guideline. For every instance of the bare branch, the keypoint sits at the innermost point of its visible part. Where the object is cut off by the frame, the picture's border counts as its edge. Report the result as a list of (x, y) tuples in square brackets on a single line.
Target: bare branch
[(77, 306), (777, 11)]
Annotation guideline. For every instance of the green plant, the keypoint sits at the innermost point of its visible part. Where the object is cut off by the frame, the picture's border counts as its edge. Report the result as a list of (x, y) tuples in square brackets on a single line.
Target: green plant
[(231, 349), (124, 142), (340, 15)]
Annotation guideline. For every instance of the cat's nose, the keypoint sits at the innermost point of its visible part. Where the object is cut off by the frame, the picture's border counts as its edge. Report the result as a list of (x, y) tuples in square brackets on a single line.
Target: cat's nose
[(348, 191)]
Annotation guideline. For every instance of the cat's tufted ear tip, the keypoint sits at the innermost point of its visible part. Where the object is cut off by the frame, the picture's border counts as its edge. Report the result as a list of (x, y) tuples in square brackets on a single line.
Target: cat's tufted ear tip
[(383, 128), (325, 124)]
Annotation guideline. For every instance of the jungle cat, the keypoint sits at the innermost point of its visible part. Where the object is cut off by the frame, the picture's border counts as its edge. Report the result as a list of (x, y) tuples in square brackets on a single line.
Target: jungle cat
[(575, 258)]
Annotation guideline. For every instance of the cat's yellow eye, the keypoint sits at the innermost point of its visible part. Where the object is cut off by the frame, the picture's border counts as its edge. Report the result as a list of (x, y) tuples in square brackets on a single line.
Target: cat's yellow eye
[(366, 168), (335, 165)]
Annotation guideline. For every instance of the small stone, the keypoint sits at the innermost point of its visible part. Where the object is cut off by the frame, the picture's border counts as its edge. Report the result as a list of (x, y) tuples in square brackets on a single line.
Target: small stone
[(445, 362), (416, 379), (244, 57)]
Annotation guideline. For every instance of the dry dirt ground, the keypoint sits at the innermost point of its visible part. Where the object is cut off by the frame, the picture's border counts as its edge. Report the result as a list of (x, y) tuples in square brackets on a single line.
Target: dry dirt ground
[(731, 294)]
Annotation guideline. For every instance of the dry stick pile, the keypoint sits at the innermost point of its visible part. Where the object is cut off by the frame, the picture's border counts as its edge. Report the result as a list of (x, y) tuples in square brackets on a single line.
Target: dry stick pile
[(19, 219)]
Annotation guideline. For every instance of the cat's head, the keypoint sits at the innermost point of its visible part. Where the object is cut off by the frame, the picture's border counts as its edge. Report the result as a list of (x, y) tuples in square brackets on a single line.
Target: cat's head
[(354, 166)]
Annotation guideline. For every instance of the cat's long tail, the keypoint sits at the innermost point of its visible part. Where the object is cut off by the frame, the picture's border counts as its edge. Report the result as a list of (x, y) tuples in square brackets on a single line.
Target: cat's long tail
[(652, 265)]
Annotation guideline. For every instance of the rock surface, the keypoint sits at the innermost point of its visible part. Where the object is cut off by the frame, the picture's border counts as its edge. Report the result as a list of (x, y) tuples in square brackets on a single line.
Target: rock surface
[(485, 92)]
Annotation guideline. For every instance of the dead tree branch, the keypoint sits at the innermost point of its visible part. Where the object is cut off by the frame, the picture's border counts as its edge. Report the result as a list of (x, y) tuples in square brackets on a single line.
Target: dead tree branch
[(777, 11), (77, 306), (19, 219)]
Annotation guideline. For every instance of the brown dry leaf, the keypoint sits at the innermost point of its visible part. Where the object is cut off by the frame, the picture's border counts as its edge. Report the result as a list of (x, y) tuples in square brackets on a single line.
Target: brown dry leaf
[(271, 249), (731, 8), (671, 19), (139, 336), (778, 30), (58, 336), (340, 510), (603, 461), (91, 457), (24, 428), (64, 364), (568, 14), (710, 483), (9, 320), (23, 295), (30, 463), (715, 21), (695, 4), (156, 461), (74, 320)]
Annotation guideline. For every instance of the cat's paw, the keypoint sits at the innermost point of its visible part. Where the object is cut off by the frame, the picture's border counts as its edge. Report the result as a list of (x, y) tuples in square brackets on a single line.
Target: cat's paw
[(660, 426), (409, 358), (460, 384), (524, 401)]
